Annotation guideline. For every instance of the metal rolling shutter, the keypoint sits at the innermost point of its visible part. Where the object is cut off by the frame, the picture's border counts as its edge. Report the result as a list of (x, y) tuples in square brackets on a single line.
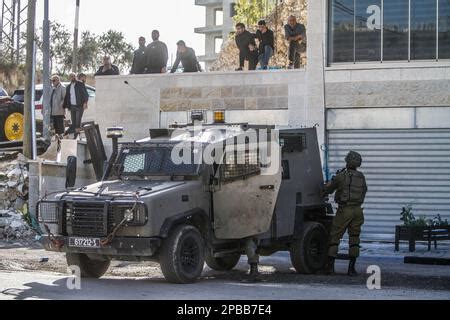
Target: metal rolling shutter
[(402, 167)]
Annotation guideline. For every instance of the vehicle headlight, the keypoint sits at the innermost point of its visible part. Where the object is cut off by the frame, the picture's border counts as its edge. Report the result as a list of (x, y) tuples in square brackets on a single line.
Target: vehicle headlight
[(135, 215), (48, 212)]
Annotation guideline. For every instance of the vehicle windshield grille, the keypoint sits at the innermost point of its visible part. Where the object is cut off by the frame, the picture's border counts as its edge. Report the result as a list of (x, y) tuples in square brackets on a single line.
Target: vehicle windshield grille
[(153, 161)]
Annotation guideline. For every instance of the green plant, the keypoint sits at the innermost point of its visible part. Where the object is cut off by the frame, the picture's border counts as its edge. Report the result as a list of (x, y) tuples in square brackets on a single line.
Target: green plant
[(407, 215), (410, 220), (439, 222)]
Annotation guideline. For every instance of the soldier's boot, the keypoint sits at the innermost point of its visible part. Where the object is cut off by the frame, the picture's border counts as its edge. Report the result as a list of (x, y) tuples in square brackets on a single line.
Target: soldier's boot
[(254, 273), (253, 260), (351, 268), (329, 267)]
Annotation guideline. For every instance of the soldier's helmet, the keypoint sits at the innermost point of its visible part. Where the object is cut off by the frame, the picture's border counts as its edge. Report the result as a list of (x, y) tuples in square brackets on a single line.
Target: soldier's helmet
[(353, 159)]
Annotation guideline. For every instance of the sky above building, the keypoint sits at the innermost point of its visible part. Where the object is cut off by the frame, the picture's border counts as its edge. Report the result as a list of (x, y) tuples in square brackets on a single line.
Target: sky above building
[(175, 19)]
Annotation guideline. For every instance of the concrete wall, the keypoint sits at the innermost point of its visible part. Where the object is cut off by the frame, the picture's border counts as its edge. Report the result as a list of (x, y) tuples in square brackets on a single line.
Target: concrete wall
[(407, 96), (395, 86), (260, 97)]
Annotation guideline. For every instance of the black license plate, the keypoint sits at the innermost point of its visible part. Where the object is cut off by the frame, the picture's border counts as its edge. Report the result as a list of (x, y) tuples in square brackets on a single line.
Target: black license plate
[(84, 243)]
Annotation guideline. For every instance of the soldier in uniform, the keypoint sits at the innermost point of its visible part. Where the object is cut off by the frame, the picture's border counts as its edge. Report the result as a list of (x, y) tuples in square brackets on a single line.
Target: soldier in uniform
[(351, 188)]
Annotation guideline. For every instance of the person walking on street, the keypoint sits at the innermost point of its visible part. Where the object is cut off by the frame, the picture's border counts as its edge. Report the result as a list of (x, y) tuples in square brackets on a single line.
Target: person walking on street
[(107, 69), (57, 105), (351, 188), (243, 39), (266, 40), (76, 101), (187, 57), (296, 35), (139, 60), (156, 55)]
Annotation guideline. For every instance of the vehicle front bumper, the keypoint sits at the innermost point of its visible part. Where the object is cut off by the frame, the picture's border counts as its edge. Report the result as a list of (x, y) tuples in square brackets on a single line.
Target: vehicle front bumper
[(136, 247)]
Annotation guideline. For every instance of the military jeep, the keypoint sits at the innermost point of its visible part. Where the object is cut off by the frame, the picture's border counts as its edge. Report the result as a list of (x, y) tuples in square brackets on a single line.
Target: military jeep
[(152, 206)]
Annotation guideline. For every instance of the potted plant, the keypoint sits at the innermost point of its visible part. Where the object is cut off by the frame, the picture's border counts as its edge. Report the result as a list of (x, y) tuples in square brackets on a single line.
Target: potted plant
[(420, 229)]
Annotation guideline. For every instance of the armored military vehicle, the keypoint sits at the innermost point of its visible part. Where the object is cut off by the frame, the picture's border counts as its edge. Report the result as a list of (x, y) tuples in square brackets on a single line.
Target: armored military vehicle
[(161, 199)]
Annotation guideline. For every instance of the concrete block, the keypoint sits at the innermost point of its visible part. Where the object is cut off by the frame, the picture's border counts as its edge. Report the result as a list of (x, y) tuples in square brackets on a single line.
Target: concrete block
[(211, 92), (251, 103), (278, 91), (226, 92), (242, 92), (192, 93), (171, 93), (267, 103), (217, 104), (234, 104), (200, 104), (259, 91), (175, 104)]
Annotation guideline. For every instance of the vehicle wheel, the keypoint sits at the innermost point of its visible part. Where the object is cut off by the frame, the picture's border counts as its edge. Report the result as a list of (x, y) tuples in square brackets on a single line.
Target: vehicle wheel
[(13, 124), (182, 255), (89, 268), (309, 254), (223, 263)]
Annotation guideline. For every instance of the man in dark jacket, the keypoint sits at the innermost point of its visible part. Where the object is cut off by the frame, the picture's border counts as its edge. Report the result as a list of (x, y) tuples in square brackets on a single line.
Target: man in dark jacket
[(296, 35), (139, 60), (156, 55), (243, 41), (266, 40), (187, 57), (76, 101), (107, 69)]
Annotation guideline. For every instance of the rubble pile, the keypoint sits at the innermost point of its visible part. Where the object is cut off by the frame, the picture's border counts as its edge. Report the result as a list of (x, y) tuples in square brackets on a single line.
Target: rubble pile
[(229, 56), (13, 198)]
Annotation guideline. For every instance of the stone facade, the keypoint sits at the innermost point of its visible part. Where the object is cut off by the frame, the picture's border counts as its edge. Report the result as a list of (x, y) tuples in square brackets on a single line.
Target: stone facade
[(388, 87), (268, 97)]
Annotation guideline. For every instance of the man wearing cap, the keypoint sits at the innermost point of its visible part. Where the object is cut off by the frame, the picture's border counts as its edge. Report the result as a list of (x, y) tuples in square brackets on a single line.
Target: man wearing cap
[(351, 188), (187, 57)]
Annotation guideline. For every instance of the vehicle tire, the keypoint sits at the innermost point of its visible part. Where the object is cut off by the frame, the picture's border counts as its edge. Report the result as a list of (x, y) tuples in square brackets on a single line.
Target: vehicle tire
[(223, 263), (309, 254), (13, 123), (89, 268), (182, 255)]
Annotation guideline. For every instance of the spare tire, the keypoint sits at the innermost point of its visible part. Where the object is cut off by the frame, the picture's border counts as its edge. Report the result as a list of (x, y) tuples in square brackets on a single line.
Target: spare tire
[(12, 122)]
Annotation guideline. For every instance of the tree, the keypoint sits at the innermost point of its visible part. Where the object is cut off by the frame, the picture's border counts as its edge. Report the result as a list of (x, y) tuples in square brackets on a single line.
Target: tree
[(88, 52), (251, 11), (113, 44), (60, 47)]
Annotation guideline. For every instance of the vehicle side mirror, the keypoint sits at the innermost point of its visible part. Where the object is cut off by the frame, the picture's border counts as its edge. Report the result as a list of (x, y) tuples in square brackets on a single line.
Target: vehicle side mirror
[(71, 172)]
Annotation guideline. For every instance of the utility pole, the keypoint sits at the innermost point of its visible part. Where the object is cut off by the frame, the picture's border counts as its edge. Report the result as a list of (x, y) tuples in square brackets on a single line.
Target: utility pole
[(29, 138), (75, 38), (47, 109)]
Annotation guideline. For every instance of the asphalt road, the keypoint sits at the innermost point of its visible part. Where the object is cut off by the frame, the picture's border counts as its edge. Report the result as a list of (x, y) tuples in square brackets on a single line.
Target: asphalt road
[(279, 281)]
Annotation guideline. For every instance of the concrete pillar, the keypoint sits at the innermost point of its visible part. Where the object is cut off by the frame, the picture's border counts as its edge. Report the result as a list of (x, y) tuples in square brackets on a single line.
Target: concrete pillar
[(313, 111)]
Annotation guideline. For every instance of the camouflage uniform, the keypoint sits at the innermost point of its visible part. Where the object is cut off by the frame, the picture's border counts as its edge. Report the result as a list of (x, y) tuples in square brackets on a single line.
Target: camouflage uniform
[(351, 188)]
